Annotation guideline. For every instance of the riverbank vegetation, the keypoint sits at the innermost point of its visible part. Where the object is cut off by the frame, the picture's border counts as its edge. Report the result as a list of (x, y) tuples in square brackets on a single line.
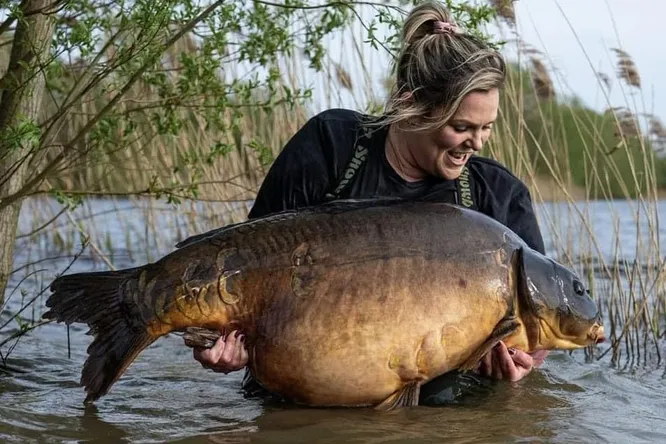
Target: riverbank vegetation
[(179, 115)]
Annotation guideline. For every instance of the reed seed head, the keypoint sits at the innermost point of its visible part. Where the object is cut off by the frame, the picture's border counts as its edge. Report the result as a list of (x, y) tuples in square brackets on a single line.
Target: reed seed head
[(605, 78), (543, 84), (657, 128), (627, 69), (627, 122), (658, 133), (505, 10), (344, 79)]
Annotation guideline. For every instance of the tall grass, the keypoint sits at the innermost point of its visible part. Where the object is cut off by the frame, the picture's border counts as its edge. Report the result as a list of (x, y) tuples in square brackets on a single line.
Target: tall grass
[(574, 159), (586, 159)]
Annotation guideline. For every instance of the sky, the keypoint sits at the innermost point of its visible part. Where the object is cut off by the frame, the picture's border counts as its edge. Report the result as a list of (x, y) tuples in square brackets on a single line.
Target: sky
[(575, 36), (575, 33)]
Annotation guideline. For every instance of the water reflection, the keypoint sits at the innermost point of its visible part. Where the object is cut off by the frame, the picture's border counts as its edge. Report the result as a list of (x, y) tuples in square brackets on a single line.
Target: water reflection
[(187, 404), (508, 413), (165, 396)]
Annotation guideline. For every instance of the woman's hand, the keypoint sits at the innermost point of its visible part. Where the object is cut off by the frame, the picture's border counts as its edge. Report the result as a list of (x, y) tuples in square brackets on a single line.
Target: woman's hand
[(509, 364), (227, 355)]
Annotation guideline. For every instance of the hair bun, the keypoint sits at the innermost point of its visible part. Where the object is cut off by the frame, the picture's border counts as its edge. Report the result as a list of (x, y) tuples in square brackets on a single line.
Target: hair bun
[(425, 20), (442, 27)]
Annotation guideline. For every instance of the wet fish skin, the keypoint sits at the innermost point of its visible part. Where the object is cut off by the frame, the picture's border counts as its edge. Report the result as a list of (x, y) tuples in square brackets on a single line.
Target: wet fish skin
[(353, 303)]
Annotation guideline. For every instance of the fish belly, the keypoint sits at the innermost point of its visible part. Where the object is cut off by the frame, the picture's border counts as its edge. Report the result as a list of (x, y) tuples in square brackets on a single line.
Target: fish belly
[(355, 333)]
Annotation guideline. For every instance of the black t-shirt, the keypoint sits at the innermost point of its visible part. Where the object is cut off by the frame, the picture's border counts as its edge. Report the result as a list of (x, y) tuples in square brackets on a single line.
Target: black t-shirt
[(315, 159)]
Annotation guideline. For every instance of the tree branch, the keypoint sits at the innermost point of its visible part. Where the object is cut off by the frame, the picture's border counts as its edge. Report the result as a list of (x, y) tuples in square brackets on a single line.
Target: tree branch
[(145, 192), (46, 224), (135, 77), (349, 4), (9, 21)]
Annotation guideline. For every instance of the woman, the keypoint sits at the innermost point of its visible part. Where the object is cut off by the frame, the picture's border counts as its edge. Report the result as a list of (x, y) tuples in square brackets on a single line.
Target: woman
[(440, 113)]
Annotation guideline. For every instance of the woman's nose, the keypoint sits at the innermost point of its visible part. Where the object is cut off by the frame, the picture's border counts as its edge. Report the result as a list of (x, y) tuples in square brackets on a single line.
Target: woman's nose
[(475, 142)]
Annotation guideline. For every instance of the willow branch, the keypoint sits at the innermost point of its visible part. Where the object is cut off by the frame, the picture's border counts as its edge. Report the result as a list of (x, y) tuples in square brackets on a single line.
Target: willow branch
[(25, 190)]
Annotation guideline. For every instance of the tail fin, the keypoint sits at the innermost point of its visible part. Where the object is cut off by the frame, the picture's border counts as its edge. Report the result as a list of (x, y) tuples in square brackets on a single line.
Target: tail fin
[(97, 299)]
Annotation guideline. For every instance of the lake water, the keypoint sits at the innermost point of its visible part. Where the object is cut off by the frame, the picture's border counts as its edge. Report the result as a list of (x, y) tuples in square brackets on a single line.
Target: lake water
[(167, 396)]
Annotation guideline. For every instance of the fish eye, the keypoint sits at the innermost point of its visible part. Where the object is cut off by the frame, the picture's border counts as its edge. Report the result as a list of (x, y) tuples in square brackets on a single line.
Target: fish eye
[(578, 288)]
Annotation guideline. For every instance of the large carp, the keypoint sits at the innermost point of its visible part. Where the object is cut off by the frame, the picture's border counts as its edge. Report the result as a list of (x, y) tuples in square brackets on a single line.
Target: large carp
[(352, 303)]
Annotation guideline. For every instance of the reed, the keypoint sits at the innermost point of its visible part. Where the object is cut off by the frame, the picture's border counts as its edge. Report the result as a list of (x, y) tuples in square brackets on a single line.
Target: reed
[(594, 164), (578, 163), (505, 10)]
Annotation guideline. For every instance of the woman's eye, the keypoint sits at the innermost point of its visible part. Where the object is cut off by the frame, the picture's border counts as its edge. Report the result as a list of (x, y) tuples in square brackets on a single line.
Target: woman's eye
[(460, 129)]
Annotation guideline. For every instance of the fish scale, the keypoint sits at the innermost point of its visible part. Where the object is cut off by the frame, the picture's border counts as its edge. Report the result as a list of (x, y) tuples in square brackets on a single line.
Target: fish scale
[(351, 303)]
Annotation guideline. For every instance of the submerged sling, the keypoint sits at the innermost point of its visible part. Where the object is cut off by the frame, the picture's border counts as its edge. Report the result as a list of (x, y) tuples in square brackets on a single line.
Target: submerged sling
[(464, 194)]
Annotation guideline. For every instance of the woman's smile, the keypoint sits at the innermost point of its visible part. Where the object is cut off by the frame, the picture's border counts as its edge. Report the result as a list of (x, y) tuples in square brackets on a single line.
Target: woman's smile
[(457, 158)]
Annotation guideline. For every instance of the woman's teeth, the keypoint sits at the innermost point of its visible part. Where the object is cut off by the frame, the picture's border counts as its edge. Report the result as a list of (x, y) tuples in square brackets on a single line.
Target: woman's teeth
[(458, 158)]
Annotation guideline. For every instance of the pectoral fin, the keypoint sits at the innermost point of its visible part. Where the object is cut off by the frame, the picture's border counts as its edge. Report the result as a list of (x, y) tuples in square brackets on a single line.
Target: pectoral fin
[(504, 328), (197, 337), (407, 396)]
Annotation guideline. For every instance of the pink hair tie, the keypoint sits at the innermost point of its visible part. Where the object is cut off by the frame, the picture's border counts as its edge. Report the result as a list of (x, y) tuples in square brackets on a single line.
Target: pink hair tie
[(441, 27)]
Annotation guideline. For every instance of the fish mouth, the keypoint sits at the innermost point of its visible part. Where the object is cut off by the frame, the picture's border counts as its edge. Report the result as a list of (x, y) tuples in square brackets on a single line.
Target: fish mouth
[(596, 334), (573, 337)]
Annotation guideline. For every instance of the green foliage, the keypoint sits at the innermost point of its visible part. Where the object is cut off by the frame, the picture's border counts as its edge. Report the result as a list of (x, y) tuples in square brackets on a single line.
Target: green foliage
[(471, 17), (136, 79), (175, 58), (65, 199), (586, 141), (129, 77), (567, 139), (26, 132)]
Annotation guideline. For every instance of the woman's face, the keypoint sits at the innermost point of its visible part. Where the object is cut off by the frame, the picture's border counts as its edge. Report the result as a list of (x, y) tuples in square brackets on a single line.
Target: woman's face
[(445, 151)]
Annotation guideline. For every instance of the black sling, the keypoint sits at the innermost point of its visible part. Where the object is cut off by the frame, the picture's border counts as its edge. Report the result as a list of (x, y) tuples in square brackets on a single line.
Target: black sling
[(465, 191)]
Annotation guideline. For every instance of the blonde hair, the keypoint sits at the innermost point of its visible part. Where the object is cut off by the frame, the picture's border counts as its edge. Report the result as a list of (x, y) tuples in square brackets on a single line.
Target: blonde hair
[(436, 69)]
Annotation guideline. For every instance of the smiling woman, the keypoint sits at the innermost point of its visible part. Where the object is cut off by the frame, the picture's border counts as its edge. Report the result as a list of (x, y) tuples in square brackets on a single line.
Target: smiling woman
[(440, 113), (452, 145)]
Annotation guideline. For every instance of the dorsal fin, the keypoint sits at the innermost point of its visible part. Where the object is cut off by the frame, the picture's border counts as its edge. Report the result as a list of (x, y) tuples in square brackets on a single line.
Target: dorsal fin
[(336, 206)]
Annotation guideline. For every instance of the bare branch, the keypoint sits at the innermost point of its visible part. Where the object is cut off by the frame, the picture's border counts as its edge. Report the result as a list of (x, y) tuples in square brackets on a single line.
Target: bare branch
[(145, 192), (40, 228), (82, 87)]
